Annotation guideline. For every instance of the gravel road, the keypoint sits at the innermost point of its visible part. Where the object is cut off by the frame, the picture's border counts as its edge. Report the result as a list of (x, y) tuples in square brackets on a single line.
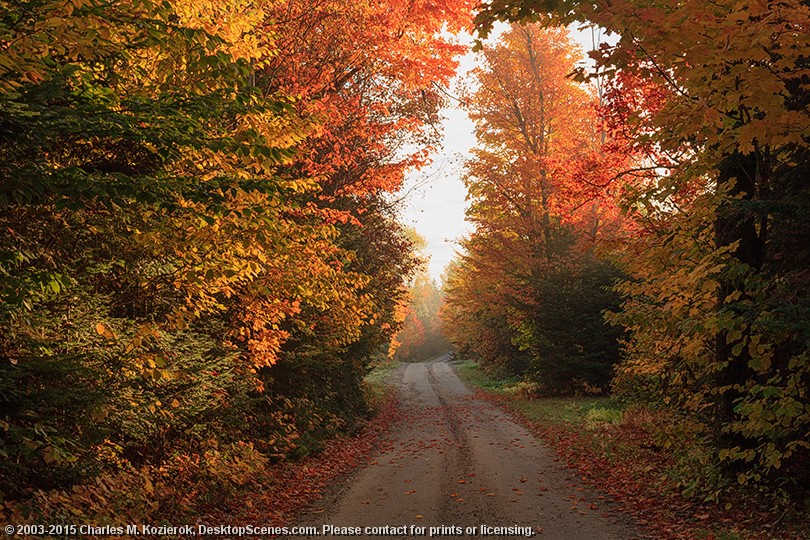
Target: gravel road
[(456, 463)]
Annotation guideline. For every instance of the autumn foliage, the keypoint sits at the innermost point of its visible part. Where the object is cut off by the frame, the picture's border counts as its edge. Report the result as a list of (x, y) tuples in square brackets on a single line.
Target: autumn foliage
[(200, 260), (198, 263), (528, 294), (421, 337), (710, 103)]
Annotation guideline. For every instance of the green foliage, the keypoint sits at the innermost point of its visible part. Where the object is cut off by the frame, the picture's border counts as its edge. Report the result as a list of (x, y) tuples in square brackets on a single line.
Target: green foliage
[(550, 330), (182, 297), (570, 343), (716, 304), (677, 326)]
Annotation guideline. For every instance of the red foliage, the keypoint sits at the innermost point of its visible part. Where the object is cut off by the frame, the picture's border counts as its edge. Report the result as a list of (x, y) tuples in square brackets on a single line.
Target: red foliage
[(369, 74)]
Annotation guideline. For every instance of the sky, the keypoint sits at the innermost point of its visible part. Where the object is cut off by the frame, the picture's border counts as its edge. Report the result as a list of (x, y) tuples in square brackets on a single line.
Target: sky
[(435, 196)]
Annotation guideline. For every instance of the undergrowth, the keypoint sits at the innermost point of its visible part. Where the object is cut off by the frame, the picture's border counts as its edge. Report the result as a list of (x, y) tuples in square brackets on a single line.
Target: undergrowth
[(652, 462)]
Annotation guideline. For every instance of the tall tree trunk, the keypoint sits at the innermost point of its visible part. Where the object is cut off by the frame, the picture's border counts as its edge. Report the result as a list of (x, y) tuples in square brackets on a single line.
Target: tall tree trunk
[(735, 224)]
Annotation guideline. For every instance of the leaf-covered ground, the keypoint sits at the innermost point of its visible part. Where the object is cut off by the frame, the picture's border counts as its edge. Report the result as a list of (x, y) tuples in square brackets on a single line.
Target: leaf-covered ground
[(625, 460), (288, 487), (621, 459)]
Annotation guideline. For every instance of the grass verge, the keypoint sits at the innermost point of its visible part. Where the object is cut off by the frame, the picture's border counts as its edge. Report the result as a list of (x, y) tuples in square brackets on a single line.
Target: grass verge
[(618, 452), (588, 410), (376, 385)]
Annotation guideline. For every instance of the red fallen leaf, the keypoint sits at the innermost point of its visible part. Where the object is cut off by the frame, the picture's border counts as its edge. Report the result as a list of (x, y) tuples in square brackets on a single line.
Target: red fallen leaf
[(418, 516), (454, 494), (411, 492), (462, 481), (523, 480)]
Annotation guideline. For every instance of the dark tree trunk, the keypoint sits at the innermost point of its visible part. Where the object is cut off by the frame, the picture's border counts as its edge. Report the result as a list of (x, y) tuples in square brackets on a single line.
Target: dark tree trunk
[(736, 224)]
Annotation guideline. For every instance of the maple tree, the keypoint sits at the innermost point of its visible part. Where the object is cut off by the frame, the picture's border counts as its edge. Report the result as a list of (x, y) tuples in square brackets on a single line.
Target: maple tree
[(529, 283), (716, 305), (201, 263)]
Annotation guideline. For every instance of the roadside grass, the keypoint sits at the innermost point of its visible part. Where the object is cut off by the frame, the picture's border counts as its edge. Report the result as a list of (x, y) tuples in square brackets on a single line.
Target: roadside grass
[(621, 451), (584, 410), (469, 373), (379, 374), (376, 387)]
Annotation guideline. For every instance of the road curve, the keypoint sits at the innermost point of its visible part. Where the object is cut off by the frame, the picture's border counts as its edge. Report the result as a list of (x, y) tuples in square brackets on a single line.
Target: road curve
[(456, 462)]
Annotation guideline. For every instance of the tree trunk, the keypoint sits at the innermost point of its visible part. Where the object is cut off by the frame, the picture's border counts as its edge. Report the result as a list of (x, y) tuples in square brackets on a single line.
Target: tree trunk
[(735, 224)]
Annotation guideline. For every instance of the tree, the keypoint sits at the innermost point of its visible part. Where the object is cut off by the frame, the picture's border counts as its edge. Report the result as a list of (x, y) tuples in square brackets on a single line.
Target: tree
[(186, 276), (421, 337), (729, 138), (372, 78), (529, 272)]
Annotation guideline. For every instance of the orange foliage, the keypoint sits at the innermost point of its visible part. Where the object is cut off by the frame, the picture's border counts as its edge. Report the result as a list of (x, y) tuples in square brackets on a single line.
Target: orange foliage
[(369, 72)]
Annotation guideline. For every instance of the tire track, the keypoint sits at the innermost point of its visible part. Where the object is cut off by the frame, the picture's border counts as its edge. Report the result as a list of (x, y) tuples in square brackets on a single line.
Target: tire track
[(456, 461)]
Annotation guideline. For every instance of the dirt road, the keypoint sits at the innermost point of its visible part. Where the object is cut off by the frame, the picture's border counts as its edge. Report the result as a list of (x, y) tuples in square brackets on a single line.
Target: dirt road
[(454, 463)]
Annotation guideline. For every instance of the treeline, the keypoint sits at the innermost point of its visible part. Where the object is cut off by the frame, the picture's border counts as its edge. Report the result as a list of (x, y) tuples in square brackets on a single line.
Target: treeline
[(528, 295), (197, 260), (673, 199), (421, 337)]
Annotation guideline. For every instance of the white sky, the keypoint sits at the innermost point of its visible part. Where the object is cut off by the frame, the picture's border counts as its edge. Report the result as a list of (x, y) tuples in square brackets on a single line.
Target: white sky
[(436, 196)]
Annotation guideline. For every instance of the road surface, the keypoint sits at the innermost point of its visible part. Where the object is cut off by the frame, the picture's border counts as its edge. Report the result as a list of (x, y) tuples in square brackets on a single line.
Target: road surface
[(455, 463)]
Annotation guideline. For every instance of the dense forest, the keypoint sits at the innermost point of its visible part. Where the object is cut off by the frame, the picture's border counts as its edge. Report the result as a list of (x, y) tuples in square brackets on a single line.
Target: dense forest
[(663, 187), (200, 259)]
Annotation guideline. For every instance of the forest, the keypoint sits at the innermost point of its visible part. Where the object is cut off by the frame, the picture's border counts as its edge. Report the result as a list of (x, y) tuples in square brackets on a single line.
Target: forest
[(202, 257), (648, 234)]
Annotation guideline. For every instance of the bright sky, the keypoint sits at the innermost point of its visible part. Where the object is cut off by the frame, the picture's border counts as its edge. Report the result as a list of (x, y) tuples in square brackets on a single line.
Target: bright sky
[(436, 202)]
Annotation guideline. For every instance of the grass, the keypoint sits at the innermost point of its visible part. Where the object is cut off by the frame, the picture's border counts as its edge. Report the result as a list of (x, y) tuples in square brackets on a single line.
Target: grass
[(616, 449), (585, 410), (379, 375), (375, 384)]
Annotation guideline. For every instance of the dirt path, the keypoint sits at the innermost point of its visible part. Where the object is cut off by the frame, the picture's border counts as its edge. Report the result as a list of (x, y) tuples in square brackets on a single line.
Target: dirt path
[(457, 462)]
